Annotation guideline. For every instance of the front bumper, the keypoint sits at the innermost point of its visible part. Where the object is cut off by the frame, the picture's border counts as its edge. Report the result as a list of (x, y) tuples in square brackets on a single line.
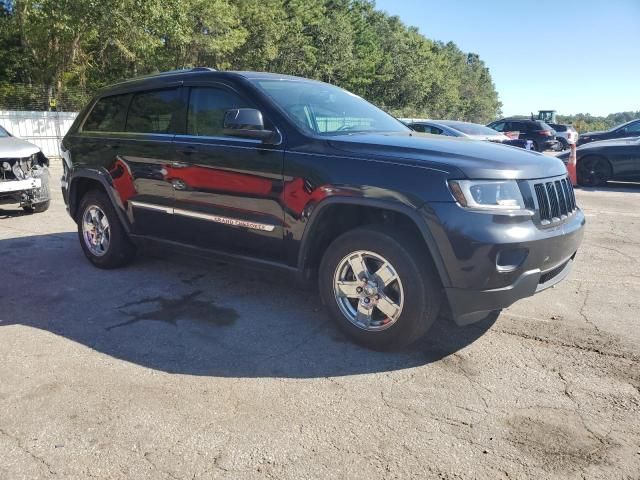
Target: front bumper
[(469, 306), (475, 248), (16, 186)]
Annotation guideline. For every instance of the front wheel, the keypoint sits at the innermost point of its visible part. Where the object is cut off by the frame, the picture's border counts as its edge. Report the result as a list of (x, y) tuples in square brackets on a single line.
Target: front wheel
[(379, 286)]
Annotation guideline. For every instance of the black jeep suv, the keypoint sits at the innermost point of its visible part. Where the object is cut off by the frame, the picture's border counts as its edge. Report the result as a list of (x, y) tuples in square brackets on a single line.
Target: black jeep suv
[(542, 136), (305, 176)]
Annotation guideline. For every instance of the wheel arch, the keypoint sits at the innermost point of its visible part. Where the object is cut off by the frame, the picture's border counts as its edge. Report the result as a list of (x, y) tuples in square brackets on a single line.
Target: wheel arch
[(316, 239), (86, 180)]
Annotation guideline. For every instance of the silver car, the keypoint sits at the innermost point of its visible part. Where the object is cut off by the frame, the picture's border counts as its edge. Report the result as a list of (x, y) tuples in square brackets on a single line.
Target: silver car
[(24, 174), (474, 131)]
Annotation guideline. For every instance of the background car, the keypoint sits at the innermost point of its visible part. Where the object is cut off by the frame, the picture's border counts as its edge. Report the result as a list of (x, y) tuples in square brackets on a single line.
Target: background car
[(24, 174), (540, 133), (565, 134), (454, 128), (629, 129), (599, 162)]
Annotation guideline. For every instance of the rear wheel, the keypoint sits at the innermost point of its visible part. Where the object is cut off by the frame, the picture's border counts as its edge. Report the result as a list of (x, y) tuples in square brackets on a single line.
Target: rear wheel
[(102, 236), (593, 171), (379, 287), (563, 144)]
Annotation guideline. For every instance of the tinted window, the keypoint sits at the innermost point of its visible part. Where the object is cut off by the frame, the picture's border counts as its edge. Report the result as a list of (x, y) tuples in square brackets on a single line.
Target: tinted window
[(153, 112), (417, 127), (108, 114), (207, 107), (633, 128), (434, 130), (499, 126), (540, 126)]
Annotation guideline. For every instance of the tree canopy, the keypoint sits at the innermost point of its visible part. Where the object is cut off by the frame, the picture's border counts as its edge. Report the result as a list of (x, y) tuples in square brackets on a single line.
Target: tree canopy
[(67, 49), (589, 123)]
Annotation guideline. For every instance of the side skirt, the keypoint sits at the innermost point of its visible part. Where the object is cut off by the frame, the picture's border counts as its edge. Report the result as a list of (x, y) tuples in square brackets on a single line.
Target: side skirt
[(157, 244)]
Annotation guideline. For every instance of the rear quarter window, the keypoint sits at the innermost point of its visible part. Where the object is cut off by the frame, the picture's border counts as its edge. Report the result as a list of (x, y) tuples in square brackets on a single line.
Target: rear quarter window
[(108, 114), (154, 111)]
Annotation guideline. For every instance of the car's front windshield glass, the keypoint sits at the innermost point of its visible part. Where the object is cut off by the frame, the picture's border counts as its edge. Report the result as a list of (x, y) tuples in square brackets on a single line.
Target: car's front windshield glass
[(3, 132), (327, 110)]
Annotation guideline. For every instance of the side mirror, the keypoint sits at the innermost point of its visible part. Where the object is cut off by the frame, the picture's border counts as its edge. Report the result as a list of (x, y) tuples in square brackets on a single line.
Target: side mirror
[(246, 123)]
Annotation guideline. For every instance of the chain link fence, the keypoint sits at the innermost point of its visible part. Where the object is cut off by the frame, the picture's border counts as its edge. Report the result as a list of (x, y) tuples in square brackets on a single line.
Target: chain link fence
[(38, 98), (38, 115)]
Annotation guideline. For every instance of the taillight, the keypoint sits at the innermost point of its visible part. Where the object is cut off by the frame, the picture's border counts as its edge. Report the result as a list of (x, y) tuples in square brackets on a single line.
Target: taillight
[(546, 133)]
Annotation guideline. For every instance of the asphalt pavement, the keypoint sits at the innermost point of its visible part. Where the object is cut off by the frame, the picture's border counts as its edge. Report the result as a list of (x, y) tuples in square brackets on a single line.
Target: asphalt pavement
[(181, 369)]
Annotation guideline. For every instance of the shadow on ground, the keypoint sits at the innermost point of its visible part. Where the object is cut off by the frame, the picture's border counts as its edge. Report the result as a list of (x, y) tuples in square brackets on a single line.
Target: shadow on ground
[(189, 317)]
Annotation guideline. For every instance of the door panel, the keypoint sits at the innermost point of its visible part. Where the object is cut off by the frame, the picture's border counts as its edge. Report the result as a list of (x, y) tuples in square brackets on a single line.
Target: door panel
[(144, 151), (227, 189)]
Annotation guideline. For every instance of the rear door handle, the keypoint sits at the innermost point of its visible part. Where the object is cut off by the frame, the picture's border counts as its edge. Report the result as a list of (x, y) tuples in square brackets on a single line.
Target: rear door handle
[(187, 150), (179, 165)]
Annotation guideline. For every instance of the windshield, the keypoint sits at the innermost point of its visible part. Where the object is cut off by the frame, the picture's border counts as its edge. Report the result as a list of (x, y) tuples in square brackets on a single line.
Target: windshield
[(470, 128), (4, 133), (327, 110)]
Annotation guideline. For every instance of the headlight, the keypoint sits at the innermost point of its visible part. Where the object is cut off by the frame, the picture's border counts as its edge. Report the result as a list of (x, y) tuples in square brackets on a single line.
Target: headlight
[(487, 194)]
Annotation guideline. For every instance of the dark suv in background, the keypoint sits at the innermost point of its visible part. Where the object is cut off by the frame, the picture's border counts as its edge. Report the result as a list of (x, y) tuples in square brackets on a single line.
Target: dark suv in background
[(306, 177), (541, 134)]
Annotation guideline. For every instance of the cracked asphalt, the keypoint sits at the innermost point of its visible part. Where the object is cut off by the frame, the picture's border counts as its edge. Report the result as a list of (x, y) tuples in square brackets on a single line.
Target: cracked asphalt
[(179, 369)]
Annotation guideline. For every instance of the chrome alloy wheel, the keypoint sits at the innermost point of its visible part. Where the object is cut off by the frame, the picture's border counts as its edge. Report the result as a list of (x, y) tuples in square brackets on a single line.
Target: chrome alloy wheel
[(95, 230), (368, 290)]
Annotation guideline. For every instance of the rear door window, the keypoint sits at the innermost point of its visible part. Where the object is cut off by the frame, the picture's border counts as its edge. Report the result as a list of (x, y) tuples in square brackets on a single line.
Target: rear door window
[(154, 111), (108, 114), (207, 107), (499, 126), (417, 127)]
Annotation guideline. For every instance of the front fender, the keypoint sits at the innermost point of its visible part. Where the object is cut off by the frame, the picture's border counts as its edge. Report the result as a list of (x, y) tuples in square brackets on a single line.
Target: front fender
[(412, 213)]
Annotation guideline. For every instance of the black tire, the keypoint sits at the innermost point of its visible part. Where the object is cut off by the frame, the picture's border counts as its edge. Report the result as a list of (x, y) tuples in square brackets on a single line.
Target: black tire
[(593, 171), (37, 207), (564, 144), (421, 290), (120, 251)]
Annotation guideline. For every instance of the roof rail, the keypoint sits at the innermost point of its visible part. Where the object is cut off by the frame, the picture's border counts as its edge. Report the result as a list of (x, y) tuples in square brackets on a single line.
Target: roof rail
[(184, 70)]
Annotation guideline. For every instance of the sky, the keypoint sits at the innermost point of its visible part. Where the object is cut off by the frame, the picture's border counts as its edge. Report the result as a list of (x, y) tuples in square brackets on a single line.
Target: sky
[(568, 55)]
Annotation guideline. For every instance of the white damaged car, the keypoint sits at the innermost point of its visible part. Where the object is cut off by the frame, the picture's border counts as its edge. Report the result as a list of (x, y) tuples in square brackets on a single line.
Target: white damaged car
[(24, 174)]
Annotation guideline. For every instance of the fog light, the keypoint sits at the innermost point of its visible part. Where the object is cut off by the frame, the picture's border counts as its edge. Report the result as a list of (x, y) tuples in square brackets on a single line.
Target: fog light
[(511, 259)]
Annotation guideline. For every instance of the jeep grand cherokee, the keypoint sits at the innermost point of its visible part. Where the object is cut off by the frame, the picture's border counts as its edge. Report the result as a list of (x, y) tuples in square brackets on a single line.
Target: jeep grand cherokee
[(310, 178)]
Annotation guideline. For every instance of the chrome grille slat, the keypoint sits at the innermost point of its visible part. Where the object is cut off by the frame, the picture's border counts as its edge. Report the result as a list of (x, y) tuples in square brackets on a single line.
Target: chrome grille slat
[(555, 199), (564, 210)]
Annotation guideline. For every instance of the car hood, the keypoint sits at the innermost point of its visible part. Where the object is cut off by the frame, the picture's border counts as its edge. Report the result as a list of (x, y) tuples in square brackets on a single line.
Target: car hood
[(483, 160), (12, 147), (613, 142)]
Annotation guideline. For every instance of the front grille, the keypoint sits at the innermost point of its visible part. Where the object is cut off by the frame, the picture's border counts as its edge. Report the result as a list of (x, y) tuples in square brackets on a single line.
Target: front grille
[(556, 200)]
